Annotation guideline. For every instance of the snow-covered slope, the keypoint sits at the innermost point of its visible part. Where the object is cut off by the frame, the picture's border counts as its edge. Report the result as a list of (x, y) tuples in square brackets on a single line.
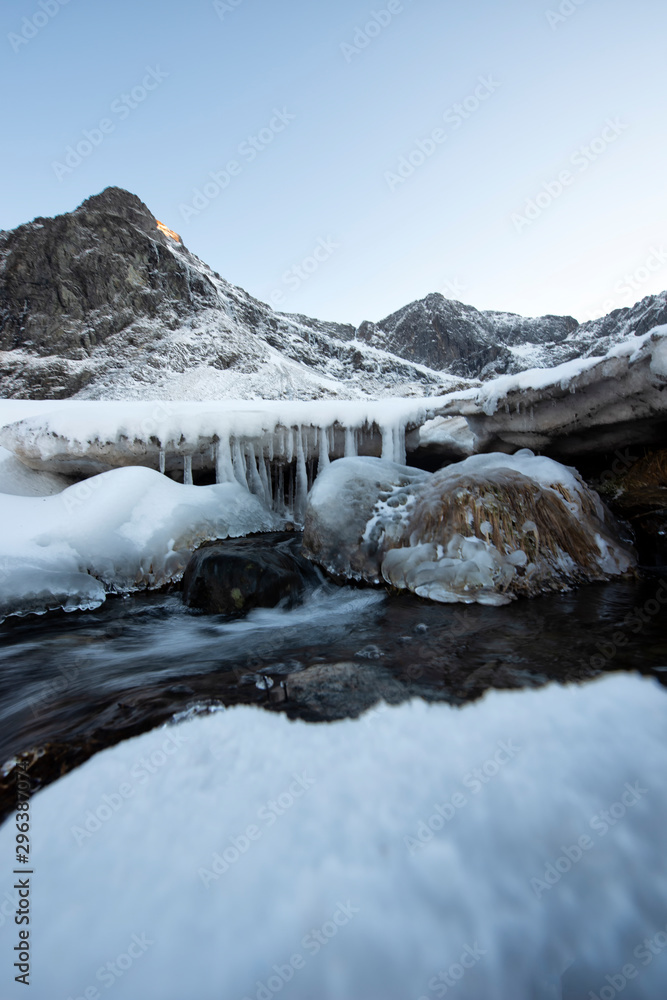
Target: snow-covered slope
[(513, 848)]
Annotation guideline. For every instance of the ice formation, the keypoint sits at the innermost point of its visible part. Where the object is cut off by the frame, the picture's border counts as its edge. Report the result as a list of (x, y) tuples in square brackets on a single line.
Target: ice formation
[(122, 530), (273, 449), (487, 529), (230, 841)]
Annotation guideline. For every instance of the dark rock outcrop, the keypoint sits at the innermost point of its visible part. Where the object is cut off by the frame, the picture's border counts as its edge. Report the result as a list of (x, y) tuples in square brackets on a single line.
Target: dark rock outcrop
[(236, 575), (639, 494), (102, 302), (69, 283)]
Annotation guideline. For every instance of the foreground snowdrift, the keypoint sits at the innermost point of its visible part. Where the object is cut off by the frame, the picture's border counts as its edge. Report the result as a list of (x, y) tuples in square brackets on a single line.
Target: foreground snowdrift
[(359, 860), (123, 530)]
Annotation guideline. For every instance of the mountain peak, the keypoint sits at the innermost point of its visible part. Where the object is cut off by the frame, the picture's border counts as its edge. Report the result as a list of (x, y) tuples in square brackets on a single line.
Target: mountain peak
[(117, 201)]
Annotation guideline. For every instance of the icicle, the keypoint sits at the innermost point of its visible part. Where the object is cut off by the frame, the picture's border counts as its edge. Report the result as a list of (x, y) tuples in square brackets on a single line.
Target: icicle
[(301, 491), (239, 464), (388, 447), (289, 451), (264, 479), (280, 442), (187, 470), (350, 443), (400, 454), (323, 458), (279, 502), (254, 481), (224, 467), (310, 445), (332, 439), (163, 461), (290, 492)]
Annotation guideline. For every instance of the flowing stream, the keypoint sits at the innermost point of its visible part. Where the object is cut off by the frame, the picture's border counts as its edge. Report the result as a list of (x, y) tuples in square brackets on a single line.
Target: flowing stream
[(71, 684)]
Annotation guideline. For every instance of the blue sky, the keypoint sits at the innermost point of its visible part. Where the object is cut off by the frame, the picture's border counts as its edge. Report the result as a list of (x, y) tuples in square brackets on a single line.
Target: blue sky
[(543, 192)]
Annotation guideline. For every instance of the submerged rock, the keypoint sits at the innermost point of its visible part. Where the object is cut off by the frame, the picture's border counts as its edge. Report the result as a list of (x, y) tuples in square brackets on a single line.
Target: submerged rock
[(485, 530), (341, 690), (233, 576)]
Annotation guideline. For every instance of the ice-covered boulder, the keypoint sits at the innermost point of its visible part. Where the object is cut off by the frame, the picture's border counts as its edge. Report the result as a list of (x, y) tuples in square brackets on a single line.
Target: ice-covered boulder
[(485, 530), (356, 511), (123, 530)]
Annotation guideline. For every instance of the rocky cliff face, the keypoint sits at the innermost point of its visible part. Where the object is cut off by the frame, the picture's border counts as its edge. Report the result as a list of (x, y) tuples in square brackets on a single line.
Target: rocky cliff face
[(467, 342), (69, 283), (104, 302)]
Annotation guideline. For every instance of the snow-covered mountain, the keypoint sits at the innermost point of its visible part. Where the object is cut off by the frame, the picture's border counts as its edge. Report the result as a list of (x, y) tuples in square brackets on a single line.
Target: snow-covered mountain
[(449, 335), (107, 303), (104, 303)]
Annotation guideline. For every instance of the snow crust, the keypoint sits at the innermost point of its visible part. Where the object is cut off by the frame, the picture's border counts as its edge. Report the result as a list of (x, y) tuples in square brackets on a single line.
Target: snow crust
[(383, 819), (184, 425), (122, 530), (490, 395)]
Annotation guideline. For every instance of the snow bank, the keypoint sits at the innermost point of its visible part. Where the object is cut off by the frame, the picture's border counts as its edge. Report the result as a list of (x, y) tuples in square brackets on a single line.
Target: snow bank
[(123, 530), (18, 479), (358, 860), (494, 392)]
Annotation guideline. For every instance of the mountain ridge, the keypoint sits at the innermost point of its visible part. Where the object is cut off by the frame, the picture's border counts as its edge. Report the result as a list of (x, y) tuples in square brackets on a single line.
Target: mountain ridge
[(104, 302)]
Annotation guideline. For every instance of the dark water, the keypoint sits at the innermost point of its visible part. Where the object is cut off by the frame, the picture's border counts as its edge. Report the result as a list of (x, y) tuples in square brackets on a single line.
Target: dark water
[(71, 684)]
